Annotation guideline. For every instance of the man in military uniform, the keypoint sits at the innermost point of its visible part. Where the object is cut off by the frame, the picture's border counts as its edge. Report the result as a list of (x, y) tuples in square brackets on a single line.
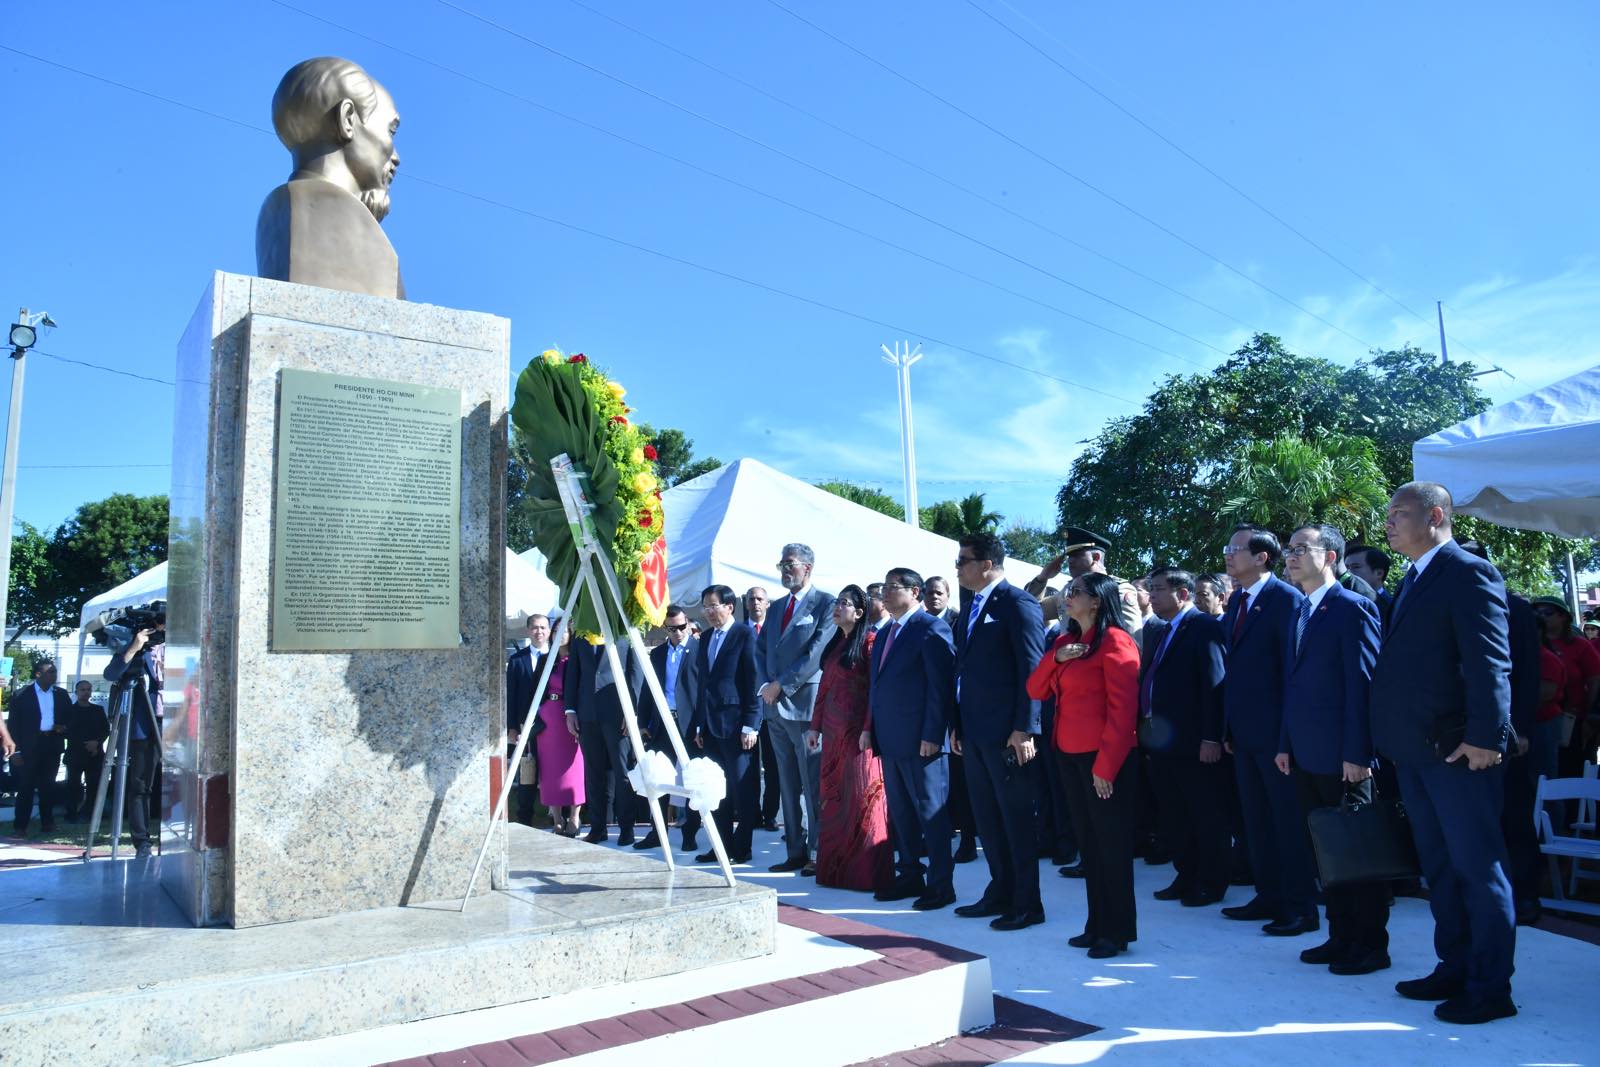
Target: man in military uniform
[(1085, 554)]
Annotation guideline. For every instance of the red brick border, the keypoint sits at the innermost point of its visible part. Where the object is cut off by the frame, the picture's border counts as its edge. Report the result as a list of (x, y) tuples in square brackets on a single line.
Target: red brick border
[(1019, 1027)]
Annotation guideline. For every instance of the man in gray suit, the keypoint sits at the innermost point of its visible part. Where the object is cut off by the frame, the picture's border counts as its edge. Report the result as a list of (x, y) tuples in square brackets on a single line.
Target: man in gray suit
[(789, 663)]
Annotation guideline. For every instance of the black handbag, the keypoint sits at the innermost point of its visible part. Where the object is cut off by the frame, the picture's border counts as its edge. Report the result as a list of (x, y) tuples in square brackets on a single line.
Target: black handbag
[(1363, 842)]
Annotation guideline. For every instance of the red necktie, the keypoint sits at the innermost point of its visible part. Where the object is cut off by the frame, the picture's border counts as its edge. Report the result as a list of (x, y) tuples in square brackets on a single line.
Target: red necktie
[(1238, 620), (889, 642), (788, 613)]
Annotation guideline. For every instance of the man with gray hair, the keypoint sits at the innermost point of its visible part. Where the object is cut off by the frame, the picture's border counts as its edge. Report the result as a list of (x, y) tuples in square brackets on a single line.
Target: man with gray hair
[(789, 663), (321, 227)]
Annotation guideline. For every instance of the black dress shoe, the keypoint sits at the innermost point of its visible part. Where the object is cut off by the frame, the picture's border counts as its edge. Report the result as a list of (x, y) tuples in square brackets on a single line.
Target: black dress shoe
[(1083, 940), (625, 840), (981, 909), (649, 840), (1073, 870), (1300, 924), (1255, 910), (1176, 891), (1104, 948), (594, 837), (709, 856), (900, 891), (1360, 961), (1018, 920), (1326, 952), (1063, 859), (793, 863), (934, 899), (967, 851), (1435, 986), (690, 843), (771, 826), (1465, 1012), (1201, 898), (809, 870)]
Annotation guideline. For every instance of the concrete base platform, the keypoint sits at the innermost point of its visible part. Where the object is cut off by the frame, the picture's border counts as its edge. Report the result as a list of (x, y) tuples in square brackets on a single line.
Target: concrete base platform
[(99, 966)]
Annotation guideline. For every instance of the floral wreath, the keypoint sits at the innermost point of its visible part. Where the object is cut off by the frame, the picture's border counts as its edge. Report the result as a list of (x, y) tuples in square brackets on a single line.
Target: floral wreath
[(565, 404)]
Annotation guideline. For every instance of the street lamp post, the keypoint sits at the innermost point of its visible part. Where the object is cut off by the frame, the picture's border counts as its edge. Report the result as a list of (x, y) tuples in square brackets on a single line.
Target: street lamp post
[(901, 357), (24, 332)]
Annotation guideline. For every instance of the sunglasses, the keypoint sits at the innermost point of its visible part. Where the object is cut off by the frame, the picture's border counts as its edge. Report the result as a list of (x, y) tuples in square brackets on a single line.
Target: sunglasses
[(678, 629)]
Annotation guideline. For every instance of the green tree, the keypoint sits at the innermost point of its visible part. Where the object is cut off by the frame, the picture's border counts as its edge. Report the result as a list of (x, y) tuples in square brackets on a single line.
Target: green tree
[(30, 603), (1332, 478), (675, 458), (957, 518), (867, 498), (1031, 544), (1156, 483), (103, 544)]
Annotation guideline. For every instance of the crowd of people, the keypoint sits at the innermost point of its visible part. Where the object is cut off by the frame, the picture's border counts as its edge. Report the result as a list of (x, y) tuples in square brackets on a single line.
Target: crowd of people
[(1197, 719)]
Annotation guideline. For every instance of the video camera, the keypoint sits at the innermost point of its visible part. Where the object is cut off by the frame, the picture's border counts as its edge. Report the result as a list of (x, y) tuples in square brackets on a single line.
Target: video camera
[(119, 626)]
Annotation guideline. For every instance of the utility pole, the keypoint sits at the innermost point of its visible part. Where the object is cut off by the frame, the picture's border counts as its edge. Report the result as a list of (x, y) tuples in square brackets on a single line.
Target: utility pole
[(1444, 353), (23, 334), (901, 357)]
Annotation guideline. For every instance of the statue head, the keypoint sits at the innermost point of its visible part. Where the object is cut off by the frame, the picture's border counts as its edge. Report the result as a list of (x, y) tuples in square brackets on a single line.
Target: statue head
[(339, 124)]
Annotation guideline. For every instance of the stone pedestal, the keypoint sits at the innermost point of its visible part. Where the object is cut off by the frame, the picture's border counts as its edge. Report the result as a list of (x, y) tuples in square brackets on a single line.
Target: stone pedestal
[(305, 784)]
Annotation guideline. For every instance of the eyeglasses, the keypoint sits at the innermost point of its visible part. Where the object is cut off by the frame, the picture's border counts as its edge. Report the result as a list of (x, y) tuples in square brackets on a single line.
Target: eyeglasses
[(790, 564), (678, 629), (896, 585), (1073, 591), (1234, 550), (1296, 551), (962, 561)]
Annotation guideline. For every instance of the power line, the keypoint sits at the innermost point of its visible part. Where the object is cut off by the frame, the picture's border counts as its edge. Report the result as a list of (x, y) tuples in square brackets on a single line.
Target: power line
[(622, 242), (1164, 139), (1097, 190), (848, 227), (808, 165), (909, 162), (97, 366)]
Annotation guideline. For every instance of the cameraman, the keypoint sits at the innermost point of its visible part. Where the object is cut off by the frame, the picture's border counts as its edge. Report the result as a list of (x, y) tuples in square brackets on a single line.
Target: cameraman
[(144, 735)]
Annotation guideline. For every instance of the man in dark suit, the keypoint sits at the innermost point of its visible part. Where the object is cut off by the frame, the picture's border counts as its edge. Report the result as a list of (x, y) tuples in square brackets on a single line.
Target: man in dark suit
[(909, 713), (1372, 566), (675, 666), (87, 731), (1180, 729), (789, 665), (727, 717), (1326, 742), (1257, 629), (597, 703), (1441, 709), (936, 601), (522, 676), (37, 720), (765, 777), (997, 646)]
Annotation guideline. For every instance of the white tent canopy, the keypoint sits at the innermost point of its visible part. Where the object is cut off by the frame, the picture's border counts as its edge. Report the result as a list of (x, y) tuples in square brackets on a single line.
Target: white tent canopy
[(1531, 463), (729, 526), (140, 589)]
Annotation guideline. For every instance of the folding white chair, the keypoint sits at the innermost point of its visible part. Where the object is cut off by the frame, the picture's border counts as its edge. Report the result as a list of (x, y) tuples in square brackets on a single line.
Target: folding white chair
[(1583, 826), (1554, 846)]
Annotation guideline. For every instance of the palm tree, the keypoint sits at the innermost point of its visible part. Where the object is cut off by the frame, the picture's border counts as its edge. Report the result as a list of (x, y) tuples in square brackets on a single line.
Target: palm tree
[(1289, 480)]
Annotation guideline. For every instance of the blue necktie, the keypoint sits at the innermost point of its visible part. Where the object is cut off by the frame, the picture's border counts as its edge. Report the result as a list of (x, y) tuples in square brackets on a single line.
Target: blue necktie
[(1302, 616), (716, 646), (1405, 586), (972, 612)]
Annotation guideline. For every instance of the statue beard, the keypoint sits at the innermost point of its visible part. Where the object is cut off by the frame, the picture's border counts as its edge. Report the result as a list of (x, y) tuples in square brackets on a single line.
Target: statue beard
[(376, 201)]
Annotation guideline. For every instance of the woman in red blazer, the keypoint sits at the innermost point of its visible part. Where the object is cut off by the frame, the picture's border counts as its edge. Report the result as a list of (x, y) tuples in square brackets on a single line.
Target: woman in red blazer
[(1093, 673)]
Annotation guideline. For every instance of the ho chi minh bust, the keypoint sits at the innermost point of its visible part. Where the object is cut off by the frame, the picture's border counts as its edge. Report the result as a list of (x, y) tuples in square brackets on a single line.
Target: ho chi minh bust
[(321, 226)]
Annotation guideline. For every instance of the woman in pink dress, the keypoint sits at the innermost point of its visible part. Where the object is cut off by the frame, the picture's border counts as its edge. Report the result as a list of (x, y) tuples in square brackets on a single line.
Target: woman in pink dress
[(853, 850), (560, 761)]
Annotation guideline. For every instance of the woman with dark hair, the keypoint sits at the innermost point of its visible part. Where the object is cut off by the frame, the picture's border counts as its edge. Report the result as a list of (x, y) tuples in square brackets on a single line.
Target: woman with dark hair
[(1093, 674), (853, 850)]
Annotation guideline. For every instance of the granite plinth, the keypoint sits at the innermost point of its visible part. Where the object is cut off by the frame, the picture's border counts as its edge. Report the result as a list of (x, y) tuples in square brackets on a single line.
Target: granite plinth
[(129, 980), (310, 784)]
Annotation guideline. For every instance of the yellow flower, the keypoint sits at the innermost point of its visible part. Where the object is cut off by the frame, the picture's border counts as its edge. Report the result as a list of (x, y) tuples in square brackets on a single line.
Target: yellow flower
[(616, 389), (551, 355), (636, 456), (644, 482)]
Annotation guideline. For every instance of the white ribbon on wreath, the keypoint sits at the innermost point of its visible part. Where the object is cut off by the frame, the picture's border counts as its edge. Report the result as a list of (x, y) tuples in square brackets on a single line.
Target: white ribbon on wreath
[(705, 784)]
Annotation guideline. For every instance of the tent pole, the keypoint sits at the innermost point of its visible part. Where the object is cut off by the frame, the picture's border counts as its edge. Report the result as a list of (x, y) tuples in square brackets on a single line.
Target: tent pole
[(1572, 592)]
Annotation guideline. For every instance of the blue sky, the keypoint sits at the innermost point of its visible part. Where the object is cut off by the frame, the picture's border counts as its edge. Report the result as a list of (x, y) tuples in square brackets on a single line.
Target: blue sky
[(1443, 151)]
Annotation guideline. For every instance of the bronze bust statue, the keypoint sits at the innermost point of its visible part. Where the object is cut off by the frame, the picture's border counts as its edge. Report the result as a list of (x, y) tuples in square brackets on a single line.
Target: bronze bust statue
[(321, 226)]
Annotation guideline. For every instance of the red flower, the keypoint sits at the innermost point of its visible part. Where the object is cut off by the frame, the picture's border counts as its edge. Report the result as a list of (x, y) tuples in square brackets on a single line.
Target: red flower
[(579, 358), (619, 420), (646, 519), (650, 452)]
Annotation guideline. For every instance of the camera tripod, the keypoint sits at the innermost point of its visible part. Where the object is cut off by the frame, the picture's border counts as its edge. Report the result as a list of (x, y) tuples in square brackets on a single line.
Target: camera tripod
[(116, 758)]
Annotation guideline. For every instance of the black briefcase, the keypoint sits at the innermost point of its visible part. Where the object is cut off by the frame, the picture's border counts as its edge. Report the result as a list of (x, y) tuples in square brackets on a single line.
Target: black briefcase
[(1363, 842)]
